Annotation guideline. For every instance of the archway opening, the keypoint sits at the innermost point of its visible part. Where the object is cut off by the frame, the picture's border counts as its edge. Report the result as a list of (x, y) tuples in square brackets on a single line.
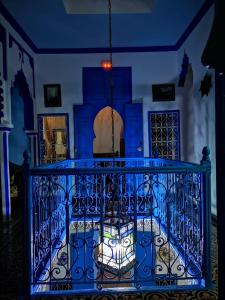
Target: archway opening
[(102, 143), (18, 143), (22, 119)]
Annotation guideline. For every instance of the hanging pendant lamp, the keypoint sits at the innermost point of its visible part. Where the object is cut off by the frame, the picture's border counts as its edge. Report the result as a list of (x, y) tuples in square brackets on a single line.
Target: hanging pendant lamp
[(116, 250)]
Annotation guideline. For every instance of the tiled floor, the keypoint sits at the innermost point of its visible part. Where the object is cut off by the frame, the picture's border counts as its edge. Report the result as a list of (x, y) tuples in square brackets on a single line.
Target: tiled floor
[(11, 252)]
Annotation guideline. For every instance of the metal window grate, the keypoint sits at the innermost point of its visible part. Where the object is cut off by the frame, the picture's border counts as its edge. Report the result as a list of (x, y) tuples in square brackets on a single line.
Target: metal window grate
[(165, 134)]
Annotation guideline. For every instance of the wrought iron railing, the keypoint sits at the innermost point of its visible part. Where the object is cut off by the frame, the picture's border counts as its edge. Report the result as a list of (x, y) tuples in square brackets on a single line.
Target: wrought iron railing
[(119, 224)]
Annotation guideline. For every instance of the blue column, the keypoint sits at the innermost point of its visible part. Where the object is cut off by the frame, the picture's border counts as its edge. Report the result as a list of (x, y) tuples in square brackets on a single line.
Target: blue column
[(5, 176)]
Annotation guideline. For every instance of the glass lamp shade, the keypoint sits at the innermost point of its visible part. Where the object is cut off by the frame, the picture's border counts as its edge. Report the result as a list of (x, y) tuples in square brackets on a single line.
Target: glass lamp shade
[(116, 252)]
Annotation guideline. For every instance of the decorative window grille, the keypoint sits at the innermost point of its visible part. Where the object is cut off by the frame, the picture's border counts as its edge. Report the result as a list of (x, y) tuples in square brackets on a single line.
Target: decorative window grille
[(164, 129)]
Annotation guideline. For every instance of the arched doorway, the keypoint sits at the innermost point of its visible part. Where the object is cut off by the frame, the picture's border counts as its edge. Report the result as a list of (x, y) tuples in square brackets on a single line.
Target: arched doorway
[(23, 120), (102, 143), (18, 139), (22, 117), (96, 91)]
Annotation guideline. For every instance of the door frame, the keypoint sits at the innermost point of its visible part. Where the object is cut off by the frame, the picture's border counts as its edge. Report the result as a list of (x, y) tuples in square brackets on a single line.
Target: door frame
[(40, 117), (118, 105)]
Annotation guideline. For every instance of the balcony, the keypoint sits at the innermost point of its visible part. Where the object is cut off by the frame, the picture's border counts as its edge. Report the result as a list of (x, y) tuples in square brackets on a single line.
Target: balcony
[(119, 225)]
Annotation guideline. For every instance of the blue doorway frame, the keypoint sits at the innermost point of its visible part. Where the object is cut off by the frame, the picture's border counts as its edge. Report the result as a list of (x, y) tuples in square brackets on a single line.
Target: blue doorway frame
[(96, 96)]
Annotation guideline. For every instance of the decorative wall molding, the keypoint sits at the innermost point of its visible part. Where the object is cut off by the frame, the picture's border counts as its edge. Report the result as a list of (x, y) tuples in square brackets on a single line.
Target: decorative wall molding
[(1, 99), (3, 41), (21, 83), (22, 52), (6, 127)]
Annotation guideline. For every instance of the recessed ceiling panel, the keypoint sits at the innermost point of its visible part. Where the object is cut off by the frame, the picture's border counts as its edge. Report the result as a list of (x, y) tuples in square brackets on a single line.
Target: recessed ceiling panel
[(48, 24), (101, 6)]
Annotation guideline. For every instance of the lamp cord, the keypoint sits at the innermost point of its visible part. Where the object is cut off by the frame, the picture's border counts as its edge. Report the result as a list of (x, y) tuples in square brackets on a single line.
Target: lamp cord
[(110, 75)]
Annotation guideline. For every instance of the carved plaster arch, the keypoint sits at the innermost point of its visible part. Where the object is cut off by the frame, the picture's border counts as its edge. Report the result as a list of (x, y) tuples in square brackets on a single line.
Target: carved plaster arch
[(21, 84)]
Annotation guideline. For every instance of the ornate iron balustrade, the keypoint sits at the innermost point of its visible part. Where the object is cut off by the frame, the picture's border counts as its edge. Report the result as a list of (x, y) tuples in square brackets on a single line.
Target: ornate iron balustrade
[(119, 224)]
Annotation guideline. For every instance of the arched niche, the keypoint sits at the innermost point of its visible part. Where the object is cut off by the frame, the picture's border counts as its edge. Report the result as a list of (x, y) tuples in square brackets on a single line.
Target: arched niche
[(20, 83), (22, 118), (102, 143)]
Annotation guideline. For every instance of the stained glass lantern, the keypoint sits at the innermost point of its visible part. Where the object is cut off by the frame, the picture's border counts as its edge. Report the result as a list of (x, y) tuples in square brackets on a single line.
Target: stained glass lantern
[(116, 252)]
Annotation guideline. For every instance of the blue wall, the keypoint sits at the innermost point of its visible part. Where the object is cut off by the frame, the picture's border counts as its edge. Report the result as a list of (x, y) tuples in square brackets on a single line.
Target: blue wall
[(18, 140)]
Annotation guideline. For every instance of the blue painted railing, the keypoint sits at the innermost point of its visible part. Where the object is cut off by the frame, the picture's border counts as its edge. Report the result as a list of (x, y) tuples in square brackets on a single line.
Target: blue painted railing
[(116, 224)]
